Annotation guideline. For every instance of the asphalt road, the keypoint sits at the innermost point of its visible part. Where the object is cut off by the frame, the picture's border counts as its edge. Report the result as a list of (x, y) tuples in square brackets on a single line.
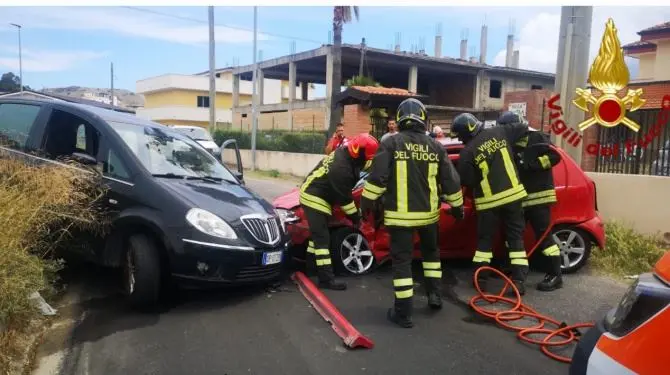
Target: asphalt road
[(275, 331)]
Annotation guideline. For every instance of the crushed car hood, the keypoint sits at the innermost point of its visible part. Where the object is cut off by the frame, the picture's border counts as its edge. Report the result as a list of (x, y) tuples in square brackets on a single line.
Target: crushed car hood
[(289, 200)]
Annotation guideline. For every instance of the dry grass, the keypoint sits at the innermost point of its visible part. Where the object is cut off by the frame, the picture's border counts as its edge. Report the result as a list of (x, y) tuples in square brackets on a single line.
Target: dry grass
[(628, 252), (40, 208)]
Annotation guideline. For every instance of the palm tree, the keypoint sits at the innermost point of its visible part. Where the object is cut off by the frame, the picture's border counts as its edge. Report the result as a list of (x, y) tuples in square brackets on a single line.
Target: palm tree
[(341, 15)]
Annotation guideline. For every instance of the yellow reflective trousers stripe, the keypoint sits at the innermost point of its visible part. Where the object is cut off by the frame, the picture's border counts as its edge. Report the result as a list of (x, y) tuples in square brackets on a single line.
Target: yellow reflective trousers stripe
[(403, 282), (349, 208), (482, 256), (404, 294), (552, 251)]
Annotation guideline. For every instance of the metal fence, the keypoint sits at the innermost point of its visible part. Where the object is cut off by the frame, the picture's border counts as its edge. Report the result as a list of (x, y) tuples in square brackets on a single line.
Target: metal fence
[(629, 152)]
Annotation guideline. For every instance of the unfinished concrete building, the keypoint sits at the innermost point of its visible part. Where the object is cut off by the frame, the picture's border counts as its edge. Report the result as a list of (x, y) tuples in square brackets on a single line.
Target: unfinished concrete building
[(450, 85)]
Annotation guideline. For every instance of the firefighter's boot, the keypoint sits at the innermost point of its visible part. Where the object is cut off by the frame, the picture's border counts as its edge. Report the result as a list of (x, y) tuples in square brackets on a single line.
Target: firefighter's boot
[(434, 293), (327, 279), (552, 280), (401, 313)]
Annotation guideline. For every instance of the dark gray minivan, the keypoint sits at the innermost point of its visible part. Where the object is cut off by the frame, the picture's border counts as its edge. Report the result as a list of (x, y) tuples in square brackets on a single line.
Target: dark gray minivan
[(178, 213)]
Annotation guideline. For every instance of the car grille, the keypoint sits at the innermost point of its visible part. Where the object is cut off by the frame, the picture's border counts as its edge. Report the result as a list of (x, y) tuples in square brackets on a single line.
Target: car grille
[(258, 272), (265, 229)]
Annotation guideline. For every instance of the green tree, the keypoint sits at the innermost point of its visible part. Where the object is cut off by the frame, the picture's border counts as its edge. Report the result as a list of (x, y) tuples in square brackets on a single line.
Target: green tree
[(10, 82), (341, 15)]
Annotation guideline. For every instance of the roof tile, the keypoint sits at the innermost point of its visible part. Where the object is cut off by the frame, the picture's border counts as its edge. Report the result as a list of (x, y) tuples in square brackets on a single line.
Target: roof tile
[(659, 27), (384, 90)]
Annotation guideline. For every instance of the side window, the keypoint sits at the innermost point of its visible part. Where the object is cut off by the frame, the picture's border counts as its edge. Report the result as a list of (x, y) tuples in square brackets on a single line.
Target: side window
[(113, 166), (66, 134), (16, 120)]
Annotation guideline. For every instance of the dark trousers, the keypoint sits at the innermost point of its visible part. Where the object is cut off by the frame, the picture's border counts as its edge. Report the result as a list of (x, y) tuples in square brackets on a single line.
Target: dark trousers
[(487, 225), (401, 256), (318, 253), (539, 218)]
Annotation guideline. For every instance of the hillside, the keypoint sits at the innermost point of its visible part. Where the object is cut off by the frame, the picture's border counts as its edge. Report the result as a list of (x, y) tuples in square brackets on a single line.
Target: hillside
[(126, 98)]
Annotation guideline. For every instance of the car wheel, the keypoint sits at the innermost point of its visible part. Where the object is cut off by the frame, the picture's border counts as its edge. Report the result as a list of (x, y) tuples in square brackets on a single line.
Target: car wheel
[(351, 253), (142, 271), (575, 246)]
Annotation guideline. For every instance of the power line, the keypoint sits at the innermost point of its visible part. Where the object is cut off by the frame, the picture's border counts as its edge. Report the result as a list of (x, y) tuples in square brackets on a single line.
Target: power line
[(221, 25)]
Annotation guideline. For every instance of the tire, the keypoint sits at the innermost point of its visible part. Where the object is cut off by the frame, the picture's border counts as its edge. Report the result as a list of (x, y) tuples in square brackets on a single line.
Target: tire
[(142, 272), (350, 252), (574, 243)]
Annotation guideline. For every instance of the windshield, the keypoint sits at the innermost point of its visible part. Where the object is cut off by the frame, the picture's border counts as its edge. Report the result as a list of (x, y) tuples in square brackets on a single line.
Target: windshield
[(199, 134), (170, 154)]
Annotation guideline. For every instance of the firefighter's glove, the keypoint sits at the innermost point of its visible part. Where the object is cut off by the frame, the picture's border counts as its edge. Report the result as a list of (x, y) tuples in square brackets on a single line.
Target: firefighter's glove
[(457, 212)]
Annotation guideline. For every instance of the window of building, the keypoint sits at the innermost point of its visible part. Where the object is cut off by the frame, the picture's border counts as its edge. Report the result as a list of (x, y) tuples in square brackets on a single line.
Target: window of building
[(535, 87), (16, 120), (203, 101), (495, 89)]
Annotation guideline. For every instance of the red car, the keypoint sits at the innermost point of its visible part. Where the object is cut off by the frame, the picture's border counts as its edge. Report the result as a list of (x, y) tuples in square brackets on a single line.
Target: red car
[(576, 224)]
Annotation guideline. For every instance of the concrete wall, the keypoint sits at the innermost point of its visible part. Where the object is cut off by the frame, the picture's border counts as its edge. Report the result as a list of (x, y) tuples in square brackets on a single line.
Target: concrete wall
[(509, 84), (284, 162), (661, 71), (638, 200)]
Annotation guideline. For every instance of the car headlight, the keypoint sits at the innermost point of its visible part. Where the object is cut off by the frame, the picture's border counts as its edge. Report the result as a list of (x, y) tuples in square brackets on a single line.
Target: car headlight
[(286, 217), (208, 223)]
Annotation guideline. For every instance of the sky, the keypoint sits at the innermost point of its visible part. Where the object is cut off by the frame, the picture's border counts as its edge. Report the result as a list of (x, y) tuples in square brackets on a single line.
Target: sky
[(65, 46)]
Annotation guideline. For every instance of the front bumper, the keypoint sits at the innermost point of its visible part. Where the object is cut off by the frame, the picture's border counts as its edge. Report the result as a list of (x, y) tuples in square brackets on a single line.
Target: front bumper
[(200, 262), (587, 344)]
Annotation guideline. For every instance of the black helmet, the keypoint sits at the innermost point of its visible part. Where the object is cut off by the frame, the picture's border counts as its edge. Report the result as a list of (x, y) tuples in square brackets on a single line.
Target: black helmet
[(465, 126), (411, 113), (508, 118)]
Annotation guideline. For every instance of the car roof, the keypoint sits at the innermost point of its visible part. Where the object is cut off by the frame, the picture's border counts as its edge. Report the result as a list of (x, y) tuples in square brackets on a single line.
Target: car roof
[(107, 115)]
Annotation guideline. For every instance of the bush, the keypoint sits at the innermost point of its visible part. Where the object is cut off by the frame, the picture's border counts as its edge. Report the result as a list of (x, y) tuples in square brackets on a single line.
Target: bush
[(276, 140), (40, 206), (628, 252)]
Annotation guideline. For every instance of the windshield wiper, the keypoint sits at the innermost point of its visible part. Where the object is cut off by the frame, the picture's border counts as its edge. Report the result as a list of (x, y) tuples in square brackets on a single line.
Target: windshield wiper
[(205, 178), (169, 175)]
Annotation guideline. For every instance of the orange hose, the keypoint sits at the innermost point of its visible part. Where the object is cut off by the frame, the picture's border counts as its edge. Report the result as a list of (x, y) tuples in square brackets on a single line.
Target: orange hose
[(519, 311)]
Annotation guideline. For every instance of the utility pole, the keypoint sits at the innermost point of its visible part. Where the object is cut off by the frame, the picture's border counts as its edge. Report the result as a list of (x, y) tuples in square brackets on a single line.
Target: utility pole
[(254, 97), (360, 64), (111, 98), (20, 57), (572, 67), (212, 68)]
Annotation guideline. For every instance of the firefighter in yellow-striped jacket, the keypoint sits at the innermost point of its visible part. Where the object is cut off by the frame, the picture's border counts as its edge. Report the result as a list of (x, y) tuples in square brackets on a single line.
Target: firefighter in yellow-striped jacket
[(535, 160), (413, 173), (486, 165), (328, 184)]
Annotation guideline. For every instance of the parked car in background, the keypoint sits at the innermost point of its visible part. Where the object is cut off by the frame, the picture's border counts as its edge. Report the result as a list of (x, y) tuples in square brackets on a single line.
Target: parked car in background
[(202, 136), (177, 213), (633, 337), (576, 224), (661, 166)]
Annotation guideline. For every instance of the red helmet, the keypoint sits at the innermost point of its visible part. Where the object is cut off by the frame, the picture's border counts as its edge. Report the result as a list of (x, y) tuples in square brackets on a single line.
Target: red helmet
[(363, 147)]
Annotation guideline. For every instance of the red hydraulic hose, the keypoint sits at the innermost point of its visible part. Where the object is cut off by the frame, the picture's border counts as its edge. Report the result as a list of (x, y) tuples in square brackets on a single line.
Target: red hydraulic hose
[(519, 311)]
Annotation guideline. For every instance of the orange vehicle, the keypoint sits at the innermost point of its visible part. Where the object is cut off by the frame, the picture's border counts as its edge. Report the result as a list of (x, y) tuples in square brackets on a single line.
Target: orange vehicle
[(633, 337)]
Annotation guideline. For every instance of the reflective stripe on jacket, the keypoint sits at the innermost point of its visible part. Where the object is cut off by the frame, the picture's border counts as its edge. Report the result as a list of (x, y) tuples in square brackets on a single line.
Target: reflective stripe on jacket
[(413, 173), (330, 183), (535, 160), (486, 165)]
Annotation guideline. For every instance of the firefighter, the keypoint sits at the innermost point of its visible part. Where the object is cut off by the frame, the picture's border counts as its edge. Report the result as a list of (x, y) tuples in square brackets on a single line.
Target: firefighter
[(328, 184), (413, 173), (535, 160), (486, 165)]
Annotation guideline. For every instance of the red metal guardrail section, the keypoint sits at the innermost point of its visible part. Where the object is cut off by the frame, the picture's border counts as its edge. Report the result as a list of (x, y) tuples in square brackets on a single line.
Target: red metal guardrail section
[(350, 335)]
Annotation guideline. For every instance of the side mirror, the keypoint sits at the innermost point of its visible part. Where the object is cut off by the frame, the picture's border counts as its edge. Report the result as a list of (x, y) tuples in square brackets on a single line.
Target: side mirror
[(84, 159)]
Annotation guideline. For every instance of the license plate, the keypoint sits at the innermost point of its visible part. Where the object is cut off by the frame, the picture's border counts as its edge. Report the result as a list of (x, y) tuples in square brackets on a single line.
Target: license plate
[(271, 258)]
